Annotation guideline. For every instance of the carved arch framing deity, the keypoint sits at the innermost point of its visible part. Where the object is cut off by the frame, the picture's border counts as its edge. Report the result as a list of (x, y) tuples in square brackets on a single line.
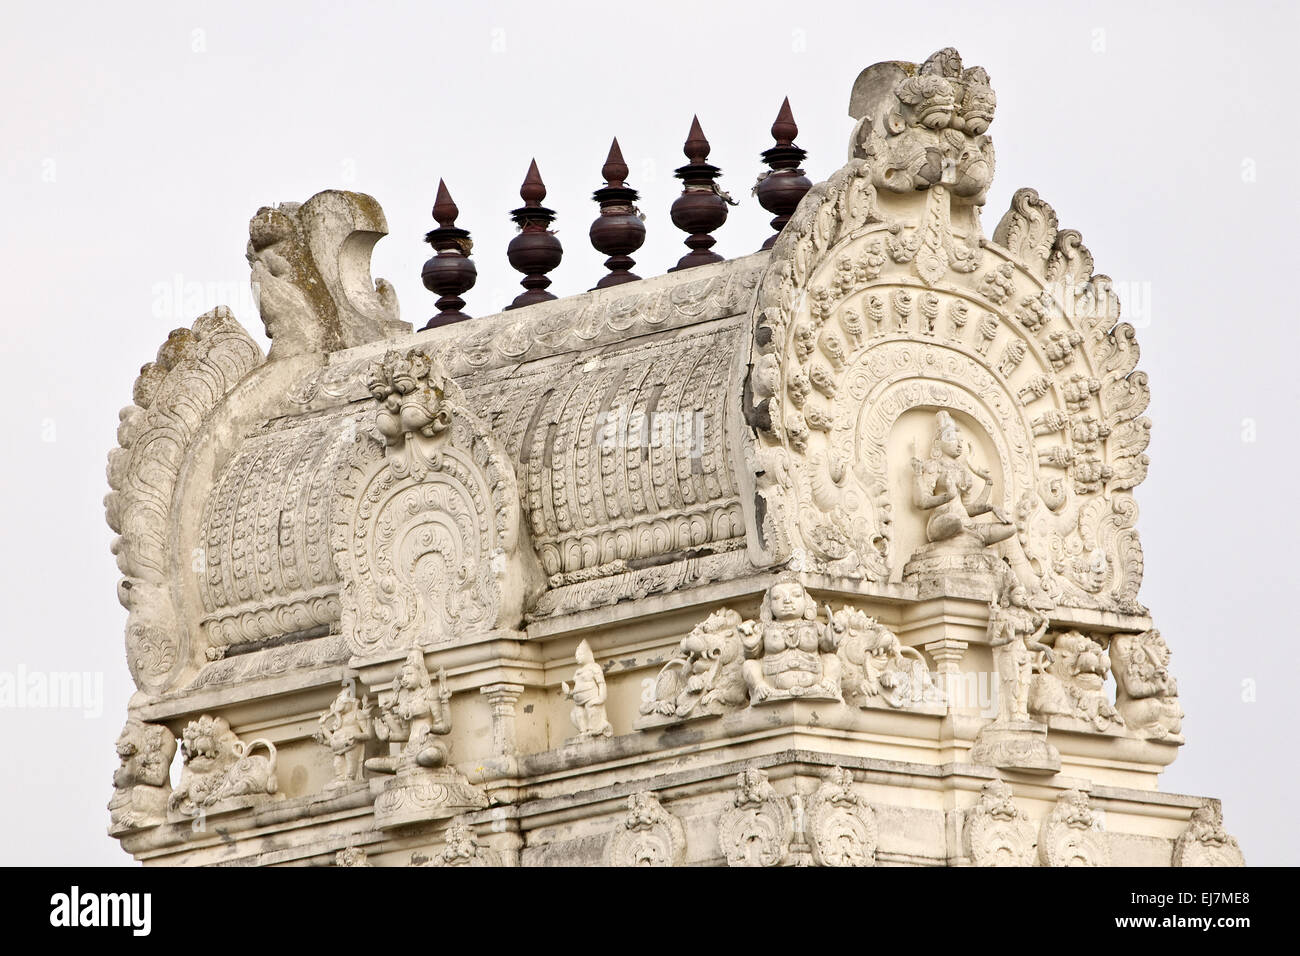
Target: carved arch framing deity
[(885, 306)]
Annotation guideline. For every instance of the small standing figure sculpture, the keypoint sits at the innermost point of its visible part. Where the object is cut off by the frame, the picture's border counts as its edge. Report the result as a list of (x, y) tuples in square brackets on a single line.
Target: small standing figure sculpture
[(792, 653), (344, 728), (416, 715), (1014, 633), (945, 486), (588, 696)]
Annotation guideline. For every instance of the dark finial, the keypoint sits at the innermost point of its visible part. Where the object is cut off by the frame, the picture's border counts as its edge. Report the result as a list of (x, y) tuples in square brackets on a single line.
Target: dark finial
[(697, 147), (702, 206), (536, 250), (614, 170), (618, 232), (784, 129), (450, 272), (533, 191), (780, 189), (445, 209)]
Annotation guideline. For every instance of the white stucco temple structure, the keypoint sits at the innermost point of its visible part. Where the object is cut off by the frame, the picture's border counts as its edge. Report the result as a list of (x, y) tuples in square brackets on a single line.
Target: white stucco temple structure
[(823, 555)]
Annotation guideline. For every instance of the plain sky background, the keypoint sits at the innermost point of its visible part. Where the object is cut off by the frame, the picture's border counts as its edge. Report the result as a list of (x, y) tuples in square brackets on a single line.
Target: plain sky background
[(138, 139)]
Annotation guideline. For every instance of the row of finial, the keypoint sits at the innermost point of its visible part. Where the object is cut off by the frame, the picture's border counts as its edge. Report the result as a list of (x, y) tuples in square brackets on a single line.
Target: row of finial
[(700, 210)]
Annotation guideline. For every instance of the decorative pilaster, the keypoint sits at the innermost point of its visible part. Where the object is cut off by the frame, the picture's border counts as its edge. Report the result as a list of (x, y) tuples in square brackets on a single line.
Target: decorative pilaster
[(502, 699), (947, 654), (702, 206), (780, 189), (451, 271), (619, 231), (536, 250)]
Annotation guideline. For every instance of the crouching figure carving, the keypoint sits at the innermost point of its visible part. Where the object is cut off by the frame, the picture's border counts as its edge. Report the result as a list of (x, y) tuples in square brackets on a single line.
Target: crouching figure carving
[(704, 675), (219, 766), (876, 668)]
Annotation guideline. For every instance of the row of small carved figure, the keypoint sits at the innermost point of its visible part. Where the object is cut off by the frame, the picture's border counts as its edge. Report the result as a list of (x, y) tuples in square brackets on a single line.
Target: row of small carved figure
[(218, 766), (726, 663), (834, 826)]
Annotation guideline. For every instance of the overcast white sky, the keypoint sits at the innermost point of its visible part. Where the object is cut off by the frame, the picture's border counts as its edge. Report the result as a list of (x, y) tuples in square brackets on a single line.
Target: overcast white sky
[(139, 139)]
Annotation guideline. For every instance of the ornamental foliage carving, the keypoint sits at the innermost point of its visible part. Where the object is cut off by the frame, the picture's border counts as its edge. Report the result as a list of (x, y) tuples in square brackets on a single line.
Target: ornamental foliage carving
[(172, 398)]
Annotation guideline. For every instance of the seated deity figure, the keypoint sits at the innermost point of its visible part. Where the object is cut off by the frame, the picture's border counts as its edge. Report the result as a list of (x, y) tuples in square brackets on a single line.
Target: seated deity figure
[(344, 728), (1014, 633), (415, 715), (944, 485), (791, 653)]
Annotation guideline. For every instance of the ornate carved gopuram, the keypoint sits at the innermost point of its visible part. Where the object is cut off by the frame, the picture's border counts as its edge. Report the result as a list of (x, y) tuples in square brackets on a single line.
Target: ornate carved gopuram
[(822, 555)]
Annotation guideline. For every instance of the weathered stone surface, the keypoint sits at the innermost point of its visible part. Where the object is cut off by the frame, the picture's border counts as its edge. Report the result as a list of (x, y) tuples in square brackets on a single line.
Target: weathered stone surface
[(835, 534)]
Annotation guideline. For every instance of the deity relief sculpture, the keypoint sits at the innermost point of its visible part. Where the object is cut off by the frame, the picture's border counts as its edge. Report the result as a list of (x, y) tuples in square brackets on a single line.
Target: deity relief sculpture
[(757, 828), (311, 270), (414, 720), (1014, 631), (1146, 694), (1073, 834), (1074, 683), (413, 716), (462, 849), (926, 128), (344, 728), (705, 674), (219, 766), (647, 836), (996, 832), (876, 668), (1014, 740), (791, 653), (142, 781), (588, 695), (841, 827), (1204, 842), (945, 486)]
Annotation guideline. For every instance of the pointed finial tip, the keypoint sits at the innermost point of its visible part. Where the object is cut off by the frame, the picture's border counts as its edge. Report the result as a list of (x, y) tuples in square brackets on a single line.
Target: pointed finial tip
[(445, 209), (784, 129), (697, 147), (533, 190), (614, 170)]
